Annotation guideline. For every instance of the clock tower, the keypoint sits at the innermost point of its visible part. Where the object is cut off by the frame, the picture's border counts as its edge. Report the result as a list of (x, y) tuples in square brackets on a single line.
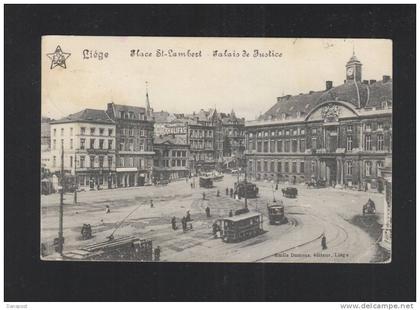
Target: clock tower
[(353, 69)]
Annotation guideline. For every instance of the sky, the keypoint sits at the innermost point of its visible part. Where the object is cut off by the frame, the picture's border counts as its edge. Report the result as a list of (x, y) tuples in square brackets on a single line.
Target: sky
[(248, 85)]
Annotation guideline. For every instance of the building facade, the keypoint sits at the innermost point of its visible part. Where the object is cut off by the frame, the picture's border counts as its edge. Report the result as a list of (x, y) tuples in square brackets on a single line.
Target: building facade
[(233, 139), (341, 135), (45, 142), (172, 156), (88, 141), (134, 143)]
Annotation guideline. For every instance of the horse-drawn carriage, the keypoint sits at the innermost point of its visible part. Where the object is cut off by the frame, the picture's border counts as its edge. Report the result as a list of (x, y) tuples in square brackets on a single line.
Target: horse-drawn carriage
[(246, 189), (290, 192), (316, 183)]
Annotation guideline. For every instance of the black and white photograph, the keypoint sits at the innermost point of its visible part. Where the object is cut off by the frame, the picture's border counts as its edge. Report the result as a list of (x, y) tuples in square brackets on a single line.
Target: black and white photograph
[(200, 153)]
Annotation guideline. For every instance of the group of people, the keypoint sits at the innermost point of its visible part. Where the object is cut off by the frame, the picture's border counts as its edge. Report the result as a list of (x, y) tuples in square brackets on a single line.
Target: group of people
[(185, 222), (232, 193)]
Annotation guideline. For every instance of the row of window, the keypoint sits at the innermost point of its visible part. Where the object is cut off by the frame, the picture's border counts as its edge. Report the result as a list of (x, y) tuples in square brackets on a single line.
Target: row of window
[(201, 133), (279, 146), (287, 167), (131, 115), (314, 131), (266, 166), (93, 131), (199, 144), (293, 146), (133, 132), (94, 161), (173, 162), (128, 145)]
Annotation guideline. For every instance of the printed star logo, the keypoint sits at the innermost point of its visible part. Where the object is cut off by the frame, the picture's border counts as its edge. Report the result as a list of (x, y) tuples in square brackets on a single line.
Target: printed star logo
[(58, 58)]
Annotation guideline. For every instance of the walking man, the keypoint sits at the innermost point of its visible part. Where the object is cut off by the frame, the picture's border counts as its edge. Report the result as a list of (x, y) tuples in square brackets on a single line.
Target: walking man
[(207, 211), (151, 203), (324, 242), (184, 224), (227, 191), (107, 210), (173, 222), (157, 254)]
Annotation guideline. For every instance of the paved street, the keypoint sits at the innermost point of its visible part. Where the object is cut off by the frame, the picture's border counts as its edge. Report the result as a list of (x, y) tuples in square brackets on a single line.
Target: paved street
[(333, 212)]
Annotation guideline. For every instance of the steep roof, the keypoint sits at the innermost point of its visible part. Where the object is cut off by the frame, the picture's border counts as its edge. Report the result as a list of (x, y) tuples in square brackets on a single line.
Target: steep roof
[(368, 95), (129, 108), (163, 117), (86, 115)]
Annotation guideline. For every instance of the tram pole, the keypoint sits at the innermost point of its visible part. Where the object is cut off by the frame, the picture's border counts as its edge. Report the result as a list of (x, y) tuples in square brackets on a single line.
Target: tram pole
[(60, 221)]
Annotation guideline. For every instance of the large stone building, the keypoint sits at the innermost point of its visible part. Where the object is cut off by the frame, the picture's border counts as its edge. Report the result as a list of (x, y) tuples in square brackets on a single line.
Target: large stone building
[(88, 140), (172, 155), (340, 134), (134, 143)]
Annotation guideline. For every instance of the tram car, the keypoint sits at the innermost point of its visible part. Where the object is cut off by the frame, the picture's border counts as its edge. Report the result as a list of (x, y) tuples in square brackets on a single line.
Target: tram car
[(290, 192), (206, 182), (122, 249), (276, 214), (240, 227), (246, 189)]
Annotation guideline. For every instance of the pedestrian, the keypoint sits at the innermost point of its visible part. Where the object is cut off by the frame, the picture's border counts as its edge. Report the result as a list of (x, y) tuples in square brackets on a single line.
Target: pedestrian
[(157, 254), (151, 203), (207, 211), (227, 191), (324, 242), (191, 185), (204, 196), (215, 229), (231, 192), (277, 186), (188, 217), (218, 193), (107, 209), (230, 213), (173, 222), (75, 197)]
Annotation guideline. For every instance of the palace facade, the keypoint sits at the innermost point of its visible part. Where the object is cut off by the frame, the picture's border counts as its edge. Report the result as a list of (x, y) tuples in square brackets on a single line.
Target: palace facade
[(341, 134)]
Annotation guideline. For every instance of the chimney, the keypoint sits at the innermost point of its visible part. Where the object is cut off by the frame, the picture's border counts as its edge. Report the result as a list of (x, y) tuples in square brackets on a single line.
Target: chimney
[(279, 99), (372, 81), (366, 82), (328, 85), (288, 97), (311, 92), (386, 78)]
